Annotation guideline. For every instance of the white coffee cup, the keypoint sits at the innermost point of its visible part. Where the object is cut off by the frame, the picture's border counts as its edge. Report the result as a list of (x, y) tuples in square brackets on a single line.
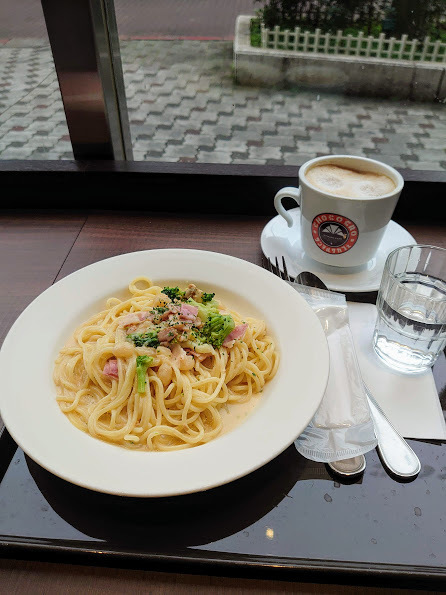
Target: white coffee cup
[(359, 223)]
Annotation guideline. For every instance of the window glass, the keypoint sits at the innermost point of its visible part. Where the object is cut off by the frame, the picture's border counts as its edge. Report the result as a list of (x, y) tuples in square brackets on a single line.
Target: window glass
[(32, 119), (220, 82), (198, 92)]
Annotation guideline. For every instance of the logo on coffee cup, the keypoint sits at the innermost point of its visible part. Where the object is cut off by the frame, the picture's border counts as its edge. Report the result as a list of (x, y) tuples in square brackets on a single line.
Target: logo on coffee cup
[(333, 233)]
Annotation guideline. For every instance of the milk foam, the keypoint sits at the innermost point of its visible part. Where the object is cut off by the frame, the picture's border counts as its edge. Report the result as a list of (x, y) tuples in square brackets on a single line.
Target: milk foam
[(348, 182)]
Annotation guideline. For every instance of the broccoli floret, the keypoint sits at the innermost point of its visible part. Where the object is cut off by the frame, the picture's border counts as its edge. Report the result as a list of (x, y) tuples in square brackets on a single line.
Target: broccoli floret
[(174, 293), (149, 339), (204, 310), (217, 328), (142, 363), (160, 310), (207, 297)]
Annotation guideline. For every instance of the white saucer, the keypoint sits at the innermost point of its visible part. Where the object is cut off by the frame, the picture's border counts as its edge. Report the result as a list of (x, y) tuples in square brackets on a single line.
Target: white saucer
[(279, 240)]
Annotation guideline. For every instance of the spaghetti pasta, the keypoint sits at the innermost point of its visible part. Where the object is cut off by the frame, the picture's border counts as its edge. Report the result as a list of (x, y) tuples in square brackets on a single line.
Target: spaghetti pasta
[(153, 372)]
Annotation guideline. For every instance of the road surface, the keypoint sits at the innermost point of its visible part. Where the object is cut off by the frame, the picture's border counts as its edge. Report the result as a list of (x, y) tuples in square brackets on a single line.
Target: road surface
[(140, 18)]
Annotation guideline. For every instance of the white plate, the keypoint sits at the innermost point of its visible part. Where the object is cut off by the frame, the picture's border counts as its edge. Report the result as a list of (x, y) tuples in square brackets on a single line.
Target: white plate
[(278, 239), (289, 401)]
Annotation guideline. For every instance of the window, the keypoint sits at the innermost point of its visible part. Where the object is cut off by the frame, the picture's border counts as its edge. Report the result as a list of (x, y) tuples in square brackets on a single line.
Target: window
[(198, 92), (206, 82), (32, 118)]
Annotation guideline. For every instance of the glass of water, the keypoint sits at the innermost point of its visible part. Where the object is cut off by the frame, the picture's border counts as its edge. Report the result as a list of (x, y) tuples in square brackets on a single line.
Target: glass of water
[(410, 331)]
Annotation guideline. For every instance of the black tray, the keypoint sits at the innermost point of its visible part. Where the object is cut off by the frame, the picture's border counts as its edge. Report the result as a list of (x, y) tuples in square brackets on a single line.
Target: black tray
[(290, 519)]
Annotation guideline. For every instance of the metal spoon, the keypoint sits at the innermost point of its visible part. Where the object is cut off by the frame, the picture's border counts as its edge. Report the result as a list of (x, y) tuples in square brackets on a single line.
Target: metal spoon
[(349, 467), (395, 453)]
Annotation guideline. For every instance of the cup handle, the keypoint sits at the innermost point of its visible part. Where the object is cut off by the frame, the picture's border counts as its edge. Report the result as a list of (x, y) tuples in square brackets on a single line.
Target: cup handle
[(290, 192)]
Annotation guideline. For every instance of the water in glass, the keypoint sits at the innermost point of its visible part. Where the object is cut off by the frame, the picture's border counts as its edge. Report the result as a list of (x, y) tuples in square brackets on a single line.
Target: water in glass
[(411, 329)]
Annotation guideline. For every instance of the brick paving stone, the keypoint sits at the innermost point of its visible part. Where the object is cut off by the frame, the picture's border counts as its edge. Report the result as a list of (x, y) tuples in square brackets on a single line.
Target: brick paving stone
[(200, 139), (265, 152), (311, 146), (148, 129), (435, 143), (297, 158), (157, 158), (230, 145), (16, 153), (21, 135), (430, 166), (389, 148), (437, 134), (392, 160), (218, 131), (149, 145), (429, 155), (280, 141), (249, 135), (214, 157), (180, 151), (158, 134)]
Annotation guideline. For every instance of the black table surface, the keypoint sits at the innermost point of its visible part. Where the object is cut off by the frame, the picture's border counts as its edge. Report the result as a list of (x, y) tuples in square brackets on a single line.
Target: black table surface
[(290, 520)]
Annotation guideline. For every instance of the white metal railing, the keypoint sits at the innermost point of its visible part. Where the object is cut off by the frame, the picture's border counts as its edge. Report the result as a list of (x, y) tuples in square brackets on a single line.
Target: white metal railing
[(350, 45)]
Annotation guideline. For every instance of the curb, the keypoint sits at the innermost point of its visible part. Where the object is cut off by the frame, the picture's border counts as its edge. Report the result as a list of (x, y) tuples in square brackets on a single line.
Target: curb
[(34, 42)]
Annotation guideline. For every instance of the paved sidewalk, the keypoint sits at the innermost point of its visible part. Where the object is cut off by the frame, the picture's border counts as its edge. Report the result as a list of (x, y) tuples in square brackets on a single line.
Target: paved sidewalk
[(184, 106)]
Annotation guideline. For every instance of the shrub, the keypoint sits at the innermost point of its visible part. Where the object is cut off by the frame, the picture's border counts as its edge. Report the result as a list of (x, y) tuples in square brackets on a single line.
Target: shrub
[(394, 17), (329, 16), (419, 19)]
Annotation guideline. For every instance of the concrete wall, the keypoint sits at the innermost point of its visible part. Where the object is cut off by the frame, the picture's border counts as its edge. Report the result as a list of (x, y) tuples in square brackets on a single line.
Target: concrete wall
[(372, 77)]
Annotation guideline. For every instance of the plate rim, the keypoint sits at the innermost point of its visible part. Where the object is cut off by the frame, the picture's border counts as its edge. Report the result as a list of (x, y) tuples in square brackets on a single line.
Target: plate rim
[(90, 268)]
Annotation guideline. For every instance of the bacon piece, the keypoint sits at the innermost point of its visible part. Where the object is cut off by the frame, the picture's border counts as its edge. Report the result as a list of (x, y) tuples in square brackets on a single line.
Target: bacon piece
[(111, 368), (166, 335), (188, 312), (198, 356), (134, 318), (237, 333), (181, 325), (171, 311), (181, 358)]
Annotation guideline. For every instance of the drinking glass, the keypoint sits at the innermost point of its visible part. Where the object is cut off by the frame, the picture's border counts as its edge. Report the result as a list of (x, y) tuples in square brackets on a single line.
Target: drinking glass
[(410, 331)]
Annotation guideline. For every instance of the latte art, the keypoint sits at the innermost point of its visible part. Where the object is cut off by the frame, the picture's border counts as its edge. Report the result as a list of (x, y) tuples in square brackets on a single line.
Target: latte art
[(348, 182)]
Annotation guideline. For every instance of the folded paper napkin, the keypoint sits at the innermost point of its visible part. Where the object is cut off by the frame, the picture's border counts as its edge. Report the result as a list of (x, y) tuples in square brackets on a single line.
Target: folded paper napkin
[(410, 401), (342, 423), (342, 426)]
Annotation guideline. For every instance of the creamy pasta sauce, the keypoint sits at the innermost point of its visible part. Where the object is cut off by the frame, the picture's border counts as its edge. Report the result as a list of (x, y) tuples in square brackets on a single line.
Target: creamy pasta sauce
[(164, 369)]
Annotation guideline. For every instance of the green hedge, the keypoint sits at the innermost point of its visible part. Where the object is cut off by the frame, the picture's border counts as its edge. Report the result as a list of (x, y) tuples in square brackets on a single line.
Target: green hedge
[(415, 18)]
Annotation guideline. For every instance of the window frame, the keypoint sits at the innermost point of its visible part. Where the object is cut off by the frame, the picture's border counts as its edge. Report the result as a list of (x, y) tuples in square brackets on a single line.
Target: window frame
[(184, 187), (85, 44)]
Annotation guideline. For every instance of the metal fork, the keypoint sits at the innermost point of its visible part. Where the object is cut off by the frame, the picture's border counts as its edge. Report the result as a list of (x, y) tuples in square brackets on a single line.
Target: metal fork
[(276, 270), (347, 467)]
